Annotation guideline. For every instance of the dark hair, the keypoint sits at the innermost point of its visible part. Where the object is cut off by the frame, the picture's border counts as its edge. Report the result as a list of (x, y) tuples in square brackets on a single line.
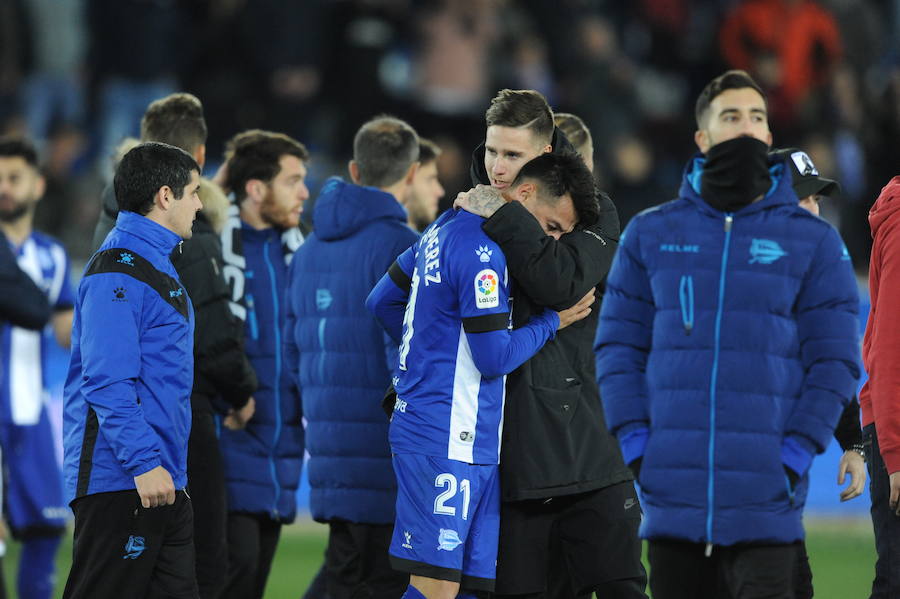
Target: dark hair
[(574, 129), (176, 120), (428, 151), (734, 79), (255, 154), (559, 173), (146, 168), (384, 148), (522, 108), (12, 147)]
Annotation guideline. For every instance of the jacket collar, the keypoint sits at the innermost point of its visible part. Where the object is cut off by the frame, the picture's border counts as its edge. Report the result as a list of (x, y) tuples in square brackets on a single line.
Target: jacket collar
[(780, 191), (142, 227)]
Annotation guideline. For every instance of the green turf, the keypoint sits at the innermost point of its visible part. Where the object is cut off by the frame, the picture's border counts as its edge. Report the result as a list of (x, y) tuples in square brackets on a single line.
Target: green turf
[(842, 555)]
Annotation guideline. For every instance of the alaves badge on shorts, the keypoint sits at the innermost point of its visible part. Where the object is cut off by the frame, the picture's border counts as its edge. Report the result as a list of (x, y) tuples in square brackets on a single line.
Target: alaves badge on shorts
[(487, 289), (448, 540), (134, 547)]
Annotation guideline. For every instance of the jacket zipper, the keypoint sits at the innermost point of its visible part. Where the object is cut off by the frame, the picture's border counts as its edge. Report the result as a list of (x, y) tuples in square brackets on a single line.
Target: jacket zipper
[(686, 297), (710, 489), (277, 382)]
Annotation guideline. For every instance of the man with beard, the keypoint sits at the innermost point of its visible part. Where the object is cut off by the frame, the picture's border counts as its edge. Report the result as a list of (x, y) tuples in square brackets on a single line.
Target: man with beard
[(340, 359), (726, 350), (34, 503), (265, 172), (426, 191)]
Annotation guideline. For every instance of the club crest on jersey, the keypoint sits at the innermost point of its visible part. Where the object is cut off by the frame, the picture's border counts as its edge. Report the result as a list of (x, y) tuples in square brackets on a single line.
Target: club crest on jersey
[(448, 540), (765, 251), (487, 289)]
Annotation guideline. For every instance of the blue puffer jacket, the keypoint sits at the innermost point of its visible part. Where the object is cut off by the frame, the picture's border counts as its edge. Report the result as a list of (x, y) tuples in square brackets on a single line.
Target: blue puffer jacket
[(263, 461), (726, 351), (127, 406), (339, 352)]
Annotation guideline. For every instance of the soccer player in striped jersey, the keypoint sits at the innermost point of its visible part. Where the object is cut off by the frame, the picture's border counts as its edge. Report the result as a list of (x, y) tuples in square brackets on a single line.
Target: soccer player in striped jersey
[(35, 508), (456, 347)]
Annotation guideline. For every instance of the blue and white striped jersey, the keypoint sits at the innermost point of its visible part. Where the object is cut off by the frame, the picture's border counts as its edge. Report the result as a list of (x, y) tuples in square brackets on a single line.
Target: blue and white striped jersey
[(456, 347), (24, 352)]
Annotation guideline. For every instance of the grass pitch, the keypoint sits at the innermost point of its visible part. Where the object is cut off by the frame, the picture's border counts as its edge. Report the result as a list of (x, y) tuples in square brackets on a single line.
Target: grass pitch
[(842, 554)]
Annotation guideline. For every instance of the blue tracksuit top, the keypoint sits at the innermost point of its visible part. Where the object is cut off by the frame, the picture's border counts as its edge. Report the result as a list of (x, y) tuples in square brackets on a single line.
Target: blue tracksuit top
[(263, 461), (127, 406), (726, 350), (340, 354)]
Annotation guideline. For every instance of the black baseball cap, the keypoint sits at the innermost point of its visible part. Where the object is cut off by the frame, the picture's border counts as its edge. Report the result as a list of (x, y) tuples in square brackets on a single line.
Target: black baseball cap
[(807, 181)]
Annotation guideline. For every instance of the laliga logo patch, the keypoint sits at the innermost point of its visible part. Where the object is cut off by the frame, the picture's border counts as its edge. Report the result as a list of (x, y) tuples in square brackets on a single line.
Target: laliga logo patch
[(487, 293)]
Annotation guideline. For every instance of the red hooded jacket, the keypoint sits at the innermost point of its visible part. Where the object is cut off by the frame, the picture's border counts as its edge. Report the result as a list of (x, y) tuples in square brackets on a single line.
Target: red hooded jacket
[(880, 396)]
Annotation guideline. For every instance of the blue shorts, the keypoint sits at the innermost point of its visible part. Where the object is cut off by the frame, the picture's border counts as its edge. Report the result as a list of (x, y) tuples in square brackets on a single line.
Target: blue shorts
[(34, 495), (448, 520)]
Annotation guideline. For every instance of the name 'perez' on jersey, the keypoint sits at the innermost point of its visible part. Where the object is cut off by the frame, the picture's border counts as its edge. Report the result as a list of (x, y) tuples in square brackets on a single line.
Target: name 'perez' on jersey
[(459, 278)]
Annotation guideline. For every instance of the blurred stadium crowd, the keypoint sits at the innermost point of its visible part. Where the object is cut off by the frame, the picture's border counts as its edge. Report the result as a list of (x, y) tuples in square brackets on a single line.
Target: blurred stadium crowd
[(76, 75)]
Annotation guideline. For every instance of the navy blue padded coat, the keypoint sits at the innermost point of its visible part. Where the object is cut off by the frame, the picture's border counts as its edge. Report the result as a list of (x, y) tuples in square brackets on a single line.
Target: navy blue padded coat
[(726, 350)]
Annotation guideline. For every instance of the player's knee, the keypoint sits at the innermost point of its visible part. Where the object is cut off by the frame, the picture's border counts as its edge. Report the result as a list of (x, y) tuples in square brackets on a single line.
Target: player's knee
[(432, 588)]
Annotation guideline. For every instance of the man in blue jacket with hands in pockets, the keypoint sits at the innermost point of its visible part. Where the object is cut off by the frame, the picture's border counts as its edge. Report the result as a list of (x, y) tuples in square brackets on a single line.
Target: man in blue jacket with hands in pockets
[(726, 350)]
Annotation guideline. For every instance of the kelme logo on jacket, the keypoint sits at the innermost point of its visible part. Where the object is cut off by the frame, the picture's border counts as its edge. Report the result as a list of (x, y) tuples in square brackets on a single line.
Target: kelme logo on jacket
[(765, 251)]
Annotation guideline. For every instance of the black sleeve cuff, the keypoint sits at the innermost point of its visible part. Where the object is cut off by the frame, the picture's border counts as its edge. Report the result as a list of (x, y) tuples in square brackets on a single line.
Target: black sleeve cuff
[(400, 278), (486, 323)]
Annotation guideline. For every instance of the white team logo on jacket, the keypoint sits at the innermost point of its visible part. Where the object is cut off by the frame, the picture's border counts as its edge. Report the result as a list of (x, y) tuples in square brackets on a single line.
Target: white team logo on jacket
[(487, 289)]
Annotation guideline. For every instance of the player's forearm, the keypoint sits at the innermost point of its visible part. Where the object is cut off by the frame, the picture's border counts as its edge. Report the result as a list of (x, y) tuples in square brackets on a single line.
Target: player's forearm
[(496, 353)]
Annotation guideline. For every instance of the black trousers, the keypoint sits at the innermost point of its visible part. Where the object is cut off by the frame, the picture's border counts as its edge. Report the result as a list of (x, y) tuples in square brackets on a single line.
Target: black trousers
[(206, 484), (884, 521), (681, 570), (357, 565), (572, 546), (124, 550), (252, 540)]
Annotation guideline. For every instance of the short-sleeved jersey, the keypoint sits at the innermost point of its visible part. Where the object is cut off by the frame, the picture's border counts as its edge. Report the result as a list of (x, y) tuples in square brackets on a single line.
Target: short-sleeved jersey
[(23, 351), (445, 407)]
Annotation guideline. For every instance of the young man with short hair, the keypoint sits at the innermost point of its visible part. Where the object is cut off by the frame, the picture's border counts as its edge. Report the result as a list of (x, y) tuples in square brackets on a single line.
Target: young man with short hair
[(127, 395), (335, 349), (570, 514), (726, 350), (455, 350)]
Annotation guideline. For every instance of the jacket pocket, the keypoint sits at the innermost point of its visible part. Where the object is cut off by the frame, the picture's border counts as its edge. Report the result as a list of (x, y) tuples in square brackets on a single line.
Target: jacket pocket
[(686, 299)]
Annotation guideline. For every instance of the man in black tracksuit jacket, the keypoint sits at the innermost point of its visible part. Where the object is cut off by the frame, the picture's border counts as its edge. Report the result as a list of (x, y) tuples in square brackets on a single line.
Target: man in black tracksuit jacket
[(570, 514)]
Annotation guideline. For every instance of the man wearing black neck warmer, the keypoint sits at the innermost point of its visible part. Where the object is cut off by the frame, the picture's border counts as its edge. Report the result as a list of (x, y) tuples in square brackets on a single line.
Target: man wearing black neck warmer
[(726, 351)]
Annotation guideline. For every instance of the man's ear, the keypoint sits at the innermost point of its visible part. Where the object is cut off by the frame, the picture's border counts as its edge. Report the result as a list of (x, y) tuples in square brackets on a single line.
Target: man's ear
[(701, 138), (411, 173), (254, 190), (163, 198), (200, 155), (40, 187), (353, 168), (547, 149), (525, 192)]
